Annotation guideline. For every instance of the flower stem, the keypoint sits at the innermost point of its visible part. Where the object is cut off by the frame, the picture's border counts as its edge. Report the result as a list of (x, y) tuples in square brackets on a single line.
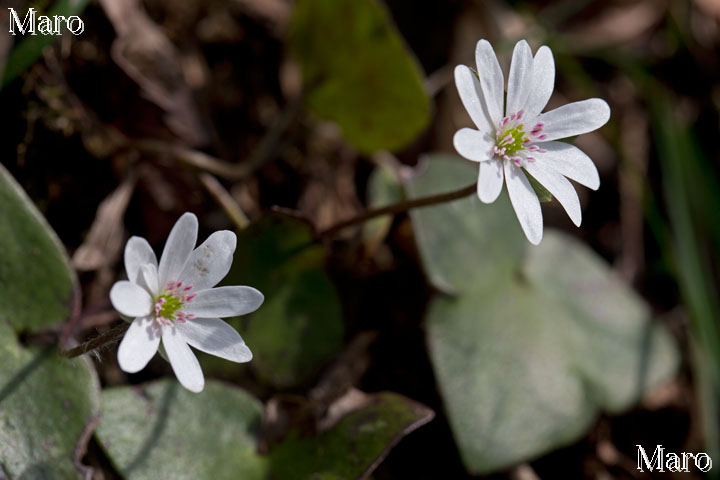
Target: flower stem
[(398, 208), (111, 336)]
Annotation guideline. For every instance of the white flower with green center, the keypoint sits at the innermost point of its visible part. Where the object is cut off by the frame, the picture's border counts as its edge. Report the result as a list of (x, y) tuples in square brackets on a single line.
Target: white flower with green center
[(519, 142), (175, 302)]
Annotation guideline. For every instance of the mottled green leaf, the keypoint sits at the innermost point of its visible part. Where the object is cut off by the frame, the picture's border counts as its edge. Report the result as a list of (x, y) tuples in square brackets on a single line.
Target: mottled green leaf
[(164, 431), (35, 274), (30, 48), (46, 402), (354, 446), (300, 325), (472, 230), (359, 71), (536, 343)]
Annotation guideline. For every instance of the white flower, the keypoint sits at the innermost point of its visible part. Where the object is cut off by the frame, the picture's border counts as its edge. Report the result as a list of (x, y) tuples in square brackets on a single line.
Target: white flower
[(175, 302), (520, 142)]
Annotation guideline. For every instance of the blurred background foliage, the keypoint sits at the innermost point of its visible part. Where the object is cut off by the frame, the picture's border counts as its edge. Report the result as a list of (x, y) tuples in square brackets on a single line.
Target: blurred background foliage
[(280, 119)]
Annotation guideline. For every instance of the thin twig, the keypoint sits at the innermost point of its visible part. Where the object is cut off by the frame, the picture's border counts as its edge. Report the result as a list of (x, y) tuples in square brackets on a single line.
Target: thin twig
[(226, 201), (192, 158), (399, 208), (111, 336)]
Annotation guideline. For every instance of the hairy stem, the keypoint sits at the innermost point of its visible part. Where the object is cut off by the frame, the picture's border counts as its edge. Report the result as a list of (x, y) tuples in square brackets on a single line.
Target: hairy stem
[(111, 336), (399, 208)]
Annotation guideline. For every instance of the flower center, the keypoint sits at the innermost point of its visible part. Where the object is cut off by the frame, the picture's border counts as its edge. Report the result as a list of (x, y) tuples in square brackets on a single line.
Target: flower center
[(513, 142), (169, 304)]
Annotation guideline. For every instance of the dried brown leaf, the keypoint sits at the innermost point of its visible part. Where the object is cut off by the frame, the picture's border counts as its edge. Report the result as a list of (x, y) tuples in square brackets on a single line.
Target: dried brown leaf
[(102, 245)]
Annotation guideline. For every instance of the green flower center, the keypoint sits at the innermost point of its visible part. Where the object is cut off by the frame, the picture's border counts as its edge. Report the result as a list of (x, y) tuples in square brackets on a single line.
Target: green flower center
[(513, 142), (169, 304)]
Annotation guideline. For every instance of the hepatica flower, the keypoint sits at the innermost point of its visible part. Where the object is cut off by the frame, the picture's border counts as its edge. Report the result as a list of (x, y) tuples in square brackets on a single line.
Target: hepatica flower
[(174, 302), (518, 141)]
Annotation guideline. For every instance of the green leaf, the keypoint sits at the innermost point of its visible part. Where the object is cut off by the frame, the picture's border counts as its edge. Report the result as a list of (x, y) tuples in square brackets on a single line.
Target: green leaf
[(473, 230), (35, 274), (165, 431), (30, 48), (354, 446), (300, 325), (46, 402), (536, 343), (359, 72)]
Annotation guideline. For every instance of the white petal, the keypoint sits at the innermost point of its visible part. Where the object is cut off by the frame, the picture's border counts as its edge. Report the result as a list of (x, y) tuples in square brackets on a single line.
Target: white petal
[(570, 161), (214, 336), (179, 246), (490, 181), (130, 299), (224, 302), (470, 92), (183, 361), (137, 252), (561, 189), (491, 80), (149, 279), (211, 261), (525, 202), (139, 344), (542, 82), (473, 144), (574, 119), (520, 80)]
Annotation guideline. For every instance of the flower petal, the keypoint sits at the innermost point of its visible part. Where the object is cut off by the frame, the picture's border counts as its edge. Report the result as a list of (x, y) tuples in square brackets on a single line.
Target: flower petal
[(130, 299), (179, 246), (224, 302), (542, 82), (139, 344), (490, 181), (574, 119), (149, 279), (211, 261), (525, 202), (520, 80), (183, 361), (137, 252), (491, 80), (470, 92), (570, 161), (561, 189), (473, 144), (214, 336)]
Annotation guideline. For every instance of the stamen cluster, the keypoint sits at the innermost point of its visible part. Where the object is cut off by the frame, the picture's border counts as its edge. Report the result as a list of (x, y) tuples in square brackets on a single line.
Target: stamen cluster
[(513, 141), (169, 303)]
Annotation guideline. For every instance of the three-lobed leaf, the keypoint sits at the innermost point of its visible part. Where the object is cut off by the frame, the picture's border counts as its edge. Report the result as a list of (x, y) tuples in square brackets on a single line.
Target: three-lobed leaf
[(537, 341), (46, 401)]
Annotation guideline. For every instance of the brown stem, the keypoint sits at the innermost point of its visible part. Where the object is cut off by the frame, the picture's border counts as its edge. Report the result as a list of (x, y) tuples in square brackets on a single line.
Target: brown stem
[(111, 336), (399, 208)]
